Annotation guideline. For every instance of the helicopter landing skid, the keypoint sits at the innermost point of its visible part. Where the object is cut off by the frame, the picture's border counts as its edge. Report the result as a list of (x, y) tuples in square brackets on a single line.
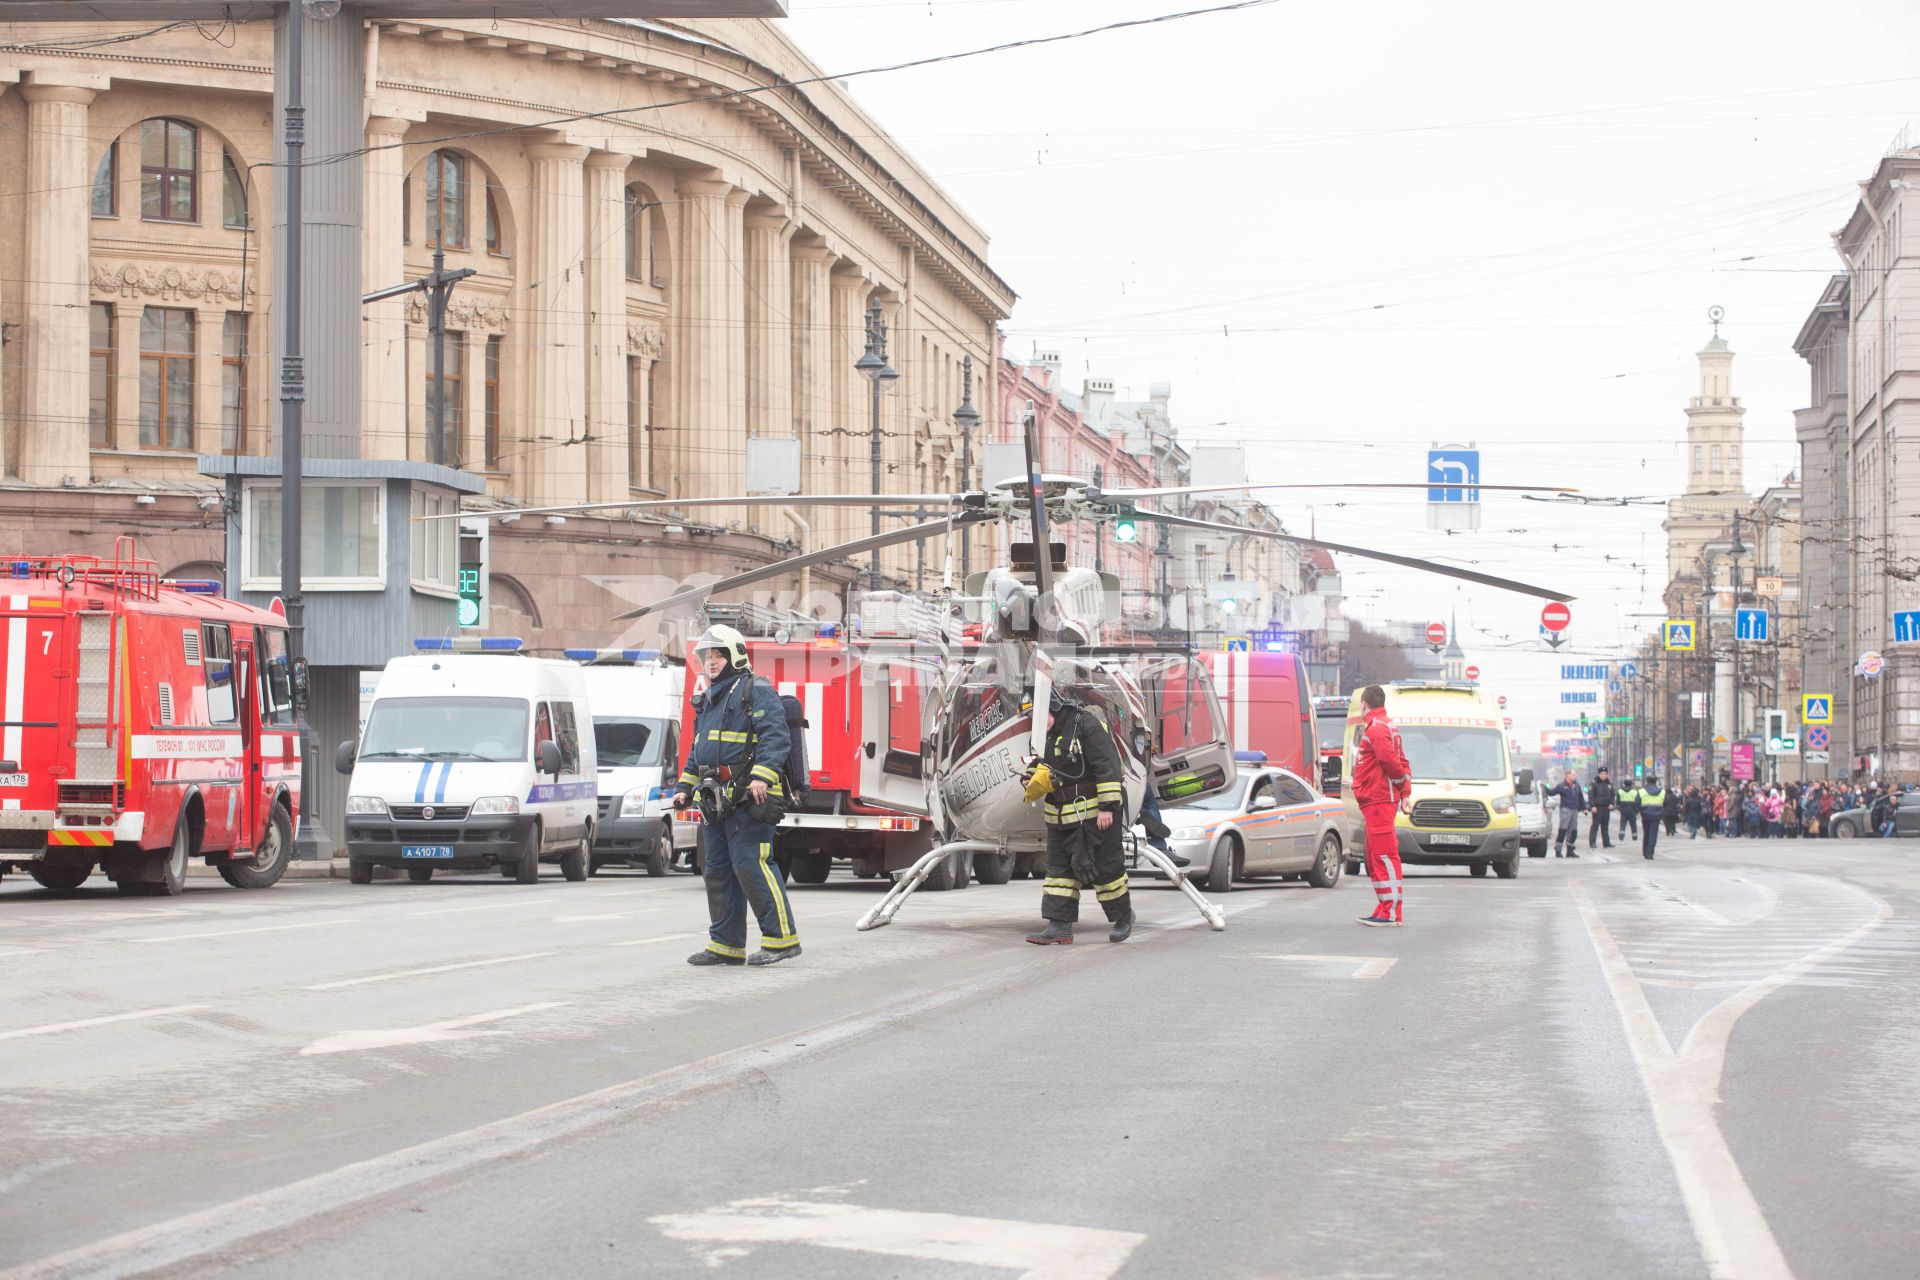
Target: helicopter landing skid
[(882, 912)]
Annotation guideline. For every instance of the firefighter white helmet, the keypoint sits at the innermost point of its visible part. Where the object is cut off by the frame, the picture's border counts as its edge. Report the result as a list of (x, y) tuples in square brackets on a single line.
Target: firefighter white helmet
[(727, 641)]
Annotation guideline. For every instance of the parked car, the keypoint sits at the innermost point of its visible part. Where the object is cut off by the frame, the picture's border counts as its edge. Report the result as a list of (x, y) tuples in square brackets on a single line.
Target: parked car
[(1269, 823), (1849, 823), (1530, 804)]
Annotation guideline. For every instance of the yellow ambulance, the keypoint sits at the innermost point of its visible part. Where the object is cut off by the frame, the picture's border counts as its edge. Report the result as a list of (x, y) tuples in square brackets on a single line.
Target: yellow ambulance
[(1463, 811)]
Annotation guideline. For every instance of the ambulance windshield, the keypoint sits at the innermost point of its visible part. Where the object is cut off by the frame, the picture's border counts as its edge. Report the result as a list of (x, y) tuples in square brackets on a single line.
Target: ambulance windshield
[(490, 729), (1454, 753)]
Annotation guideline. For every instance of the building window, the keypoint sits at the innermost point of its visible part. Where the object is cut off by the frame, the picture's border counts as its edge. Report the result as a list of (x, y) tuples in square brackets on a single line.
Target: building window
[(406, 211), (101, 372), (106, 183), (233, 382), (342, 543), (639, 236), (435, 544), (453, 386), (166, 378), (493, 227), (1698, 451), (447, 200), (233, 192), (169, 177), (492, 372), (1716, 459), (636, 421)]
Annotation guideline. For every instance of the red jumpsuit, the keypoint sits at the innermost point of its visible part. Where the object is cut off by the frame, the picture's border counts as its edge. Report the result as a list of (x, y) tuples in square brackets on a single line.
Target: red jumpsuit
[(1382, 778)]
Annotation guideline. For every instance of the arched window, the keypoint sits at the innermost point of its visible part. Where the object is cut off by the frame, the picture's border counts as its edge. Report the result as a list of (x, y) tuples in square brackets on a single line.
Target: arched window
[(447, 200), (106, 183), (406, 211), (169, 177), (233, 192), (643, 258), (495, 244)]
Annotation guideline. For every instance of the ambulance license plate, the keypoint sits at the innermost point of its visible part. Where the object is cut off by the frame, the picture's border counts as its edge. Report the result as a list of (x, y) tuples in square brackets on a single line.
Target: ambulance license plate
[(426, 851), (13, 779), (1467, 840)]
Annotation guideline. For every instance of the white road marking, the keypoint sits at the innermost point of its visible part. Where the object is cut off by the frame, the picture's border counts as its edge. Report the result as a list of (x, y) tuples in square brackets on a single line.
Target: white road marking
[(1684, 1090), (234, 933), (527, 901), (14, 953), (1363, 966), (23, 1032), (378, 1179), (605, 915), (665, 937), (1036, 1250), (419, 973), (429, 1033)]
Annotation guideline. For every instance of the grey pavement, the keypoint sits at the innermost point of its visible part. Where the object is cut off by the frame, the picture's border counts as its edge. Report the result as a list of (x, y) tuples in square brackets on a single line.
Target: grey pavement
[(1607, 1067)]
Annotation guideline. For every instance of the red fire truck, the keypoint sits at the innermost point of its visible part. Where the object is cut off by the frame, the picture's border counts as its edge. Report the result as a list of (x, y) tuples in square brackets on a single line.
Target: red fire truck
[(863, 700), (146, 722)]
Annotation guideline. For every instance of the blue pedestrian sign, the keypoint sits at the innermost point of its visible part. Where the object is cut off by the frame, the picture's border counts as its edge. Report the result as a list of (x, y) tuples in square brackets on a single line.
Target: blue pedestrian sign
[(1235, 644), (1453, 475), (1678, 635), (1906, 626), (1816, 708), (1750, 624)]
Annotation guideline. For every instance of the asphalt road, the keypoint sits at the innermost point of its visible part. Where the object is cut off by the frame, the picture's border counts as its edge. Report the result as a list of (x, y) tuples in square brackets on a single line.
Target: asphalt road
[(1699, 1066)]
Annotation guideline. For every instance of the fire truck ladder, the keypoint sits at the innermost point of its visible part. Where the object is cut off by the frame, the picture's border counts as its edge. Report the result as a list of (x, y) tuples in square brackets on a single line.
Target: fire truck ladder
[(913, 877), (96, 694)]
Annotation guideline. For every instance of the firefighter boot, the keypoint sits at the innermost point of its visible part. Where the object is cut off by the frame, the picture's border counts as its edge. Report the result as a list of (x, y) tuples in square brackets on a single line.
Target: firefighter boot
[(766, 957), (701, 959), (1122, 928), (1057, 931)]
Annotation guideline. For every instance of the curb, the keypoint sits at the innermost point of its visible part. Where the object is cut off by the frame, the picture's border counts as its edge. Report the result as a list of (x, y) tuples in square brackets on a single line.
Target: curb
[(301, 869)]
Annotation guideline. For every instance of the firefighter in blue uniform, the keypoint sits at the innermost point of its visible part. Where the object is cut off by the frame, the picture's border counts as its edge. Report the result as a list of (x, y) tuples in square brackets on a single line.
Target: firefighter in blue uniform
[(734, 772)]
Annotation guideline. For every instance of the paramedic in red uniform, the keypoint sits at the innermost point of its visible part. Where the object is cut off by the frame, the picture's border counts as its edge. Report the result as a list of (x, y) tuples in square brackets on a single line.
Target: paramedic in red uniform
[(1382, 781)]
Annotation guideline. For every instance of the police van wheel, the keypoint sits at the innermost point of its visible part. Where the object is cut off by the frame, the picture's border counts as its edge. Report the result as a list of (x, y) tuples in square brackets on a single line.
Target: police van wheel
[(659, 857), (527, 869), (1478, 868), (577, 862), (419, 875), (359, 872), (269, 862)]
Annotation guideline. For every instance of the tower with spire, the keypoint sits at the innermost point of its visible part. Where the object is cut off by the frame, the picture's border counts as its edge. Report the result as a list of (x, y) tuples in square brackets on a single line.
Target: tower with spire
[(1454, 658), (1712, 460)]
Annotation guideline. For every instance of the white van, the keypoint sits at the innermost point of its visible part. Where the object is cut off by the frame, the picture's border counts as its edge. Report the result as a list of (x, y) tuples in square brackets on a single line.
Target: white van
[(637, 696), (470, 760)]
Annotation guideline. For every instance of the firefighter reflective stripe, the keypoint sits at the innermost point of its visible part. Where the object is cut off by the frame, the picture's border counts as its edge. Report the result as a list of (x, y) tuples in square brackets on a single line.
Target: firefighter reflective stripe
[(1061, 887), (1106, 791), (16, 695), (726, 735), (777, 944), (765, 774), (775, 888), (722, 949), (70, 839), (1073, 811), (1111, 889), (689, 779)]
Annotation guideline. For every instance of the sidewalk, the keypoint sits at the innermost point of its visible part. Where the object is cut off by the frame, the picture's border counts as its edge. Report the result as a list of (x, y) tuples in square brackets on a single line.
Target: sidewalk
[(310, 869)]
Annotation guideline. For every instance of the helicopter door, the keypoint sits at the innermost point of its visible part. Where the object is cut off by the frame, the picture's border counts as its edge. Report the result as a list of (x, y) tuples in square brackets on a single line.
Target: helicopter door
[(894, 693), (1191, 754)]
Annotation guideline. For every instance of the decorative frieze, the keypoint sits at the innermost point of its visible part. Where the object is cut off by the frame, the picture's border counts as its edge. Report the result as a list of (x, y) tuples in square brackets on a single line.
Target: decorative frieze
[(472, 313), (648, 340), (170, 284)]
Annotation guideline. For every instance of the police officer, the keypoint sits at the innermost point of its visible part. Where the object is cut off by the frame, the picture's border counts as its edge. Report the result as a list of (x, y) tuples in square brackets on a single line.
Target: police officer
[(1653, 801), (1600, 798), (735, 762), (1083, 810), (1628, 798)]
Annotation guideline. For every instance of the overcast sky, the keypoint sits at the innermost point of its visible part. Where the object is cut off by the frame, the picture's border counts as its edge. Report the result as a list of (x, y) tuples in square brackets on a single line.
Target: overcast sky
[(1345, 232)]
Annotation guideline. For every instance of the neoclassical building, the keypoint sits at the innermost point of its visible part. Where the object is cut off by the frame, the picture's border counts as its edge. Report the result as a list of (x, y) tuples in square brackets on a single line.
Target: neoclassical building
[(665, 268)]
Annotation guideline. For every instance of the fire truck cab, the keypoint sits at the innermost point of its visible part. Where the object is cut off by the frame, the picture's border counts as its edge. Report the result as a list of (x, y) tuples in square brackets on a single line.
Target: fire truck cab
[(146, 723)]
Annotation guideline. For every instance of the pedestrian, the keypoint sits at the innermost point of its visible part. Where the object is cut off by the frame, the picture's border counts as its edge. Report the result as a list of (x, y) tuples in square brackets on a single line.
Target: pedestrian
[(1653, 803), (1382, 783), (737, 763), (1670, 812), (1790, 814), (1881, 816), (1600, 800), (1771, 807), (1083, 801), (1156, 827), (1572, 801), (1695, 807), (1628, 798)]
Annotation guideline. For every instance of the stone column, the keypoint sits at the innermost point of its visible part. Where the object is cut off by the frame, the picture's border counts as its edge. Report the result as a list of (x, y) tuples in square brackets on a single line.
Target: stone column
[(769, 325), (553, 319), (53, 399), (813, 370), (383, 324), (846, 340), (702, 434), (606, 271)]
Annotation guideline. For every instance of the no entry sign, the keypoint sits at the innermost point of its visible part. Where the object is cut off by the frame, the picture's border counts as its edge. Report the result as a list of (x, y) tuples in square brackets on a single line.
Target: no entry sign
[(1473, 673), (1555, 617), (1436, 633)]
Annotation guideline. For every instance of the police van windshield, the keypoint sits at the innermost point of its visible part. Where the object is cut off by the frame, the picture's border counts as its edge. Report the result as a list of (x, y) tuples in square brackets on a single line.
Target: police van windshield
[(626, 742), (1452, 752), (490, 729)]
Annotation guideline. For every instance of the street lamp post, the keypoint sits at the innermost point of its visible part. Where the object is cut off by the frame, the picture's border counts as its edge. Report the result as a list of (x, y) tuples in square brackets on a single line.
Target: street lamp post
[(1734, 552), (873, 366), (966, 419)]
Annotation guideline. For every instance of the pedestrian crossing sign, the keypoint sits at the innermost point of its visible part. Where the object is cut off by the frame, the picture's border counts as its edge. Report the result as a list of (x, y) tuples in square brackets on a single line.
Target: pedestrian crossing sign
[(1679, 635), (1816, 708)]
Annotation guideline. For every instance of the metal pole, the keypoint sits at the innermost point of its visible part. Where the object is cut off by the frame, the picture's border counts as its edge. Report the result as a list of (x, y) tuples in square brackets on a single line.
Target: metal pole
[(293, 383), (437, 326), (874, 451)]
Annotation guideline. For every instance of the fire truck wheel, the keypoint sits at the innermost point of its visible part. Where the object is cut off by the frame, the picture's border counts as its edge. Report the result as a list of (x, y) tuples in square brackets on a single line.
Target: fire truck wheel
[(172, 864), (359, 872), (992, 868), (527, 869), (419, 875), (577, 862), (63, 877), (811, 868), (269, 862)]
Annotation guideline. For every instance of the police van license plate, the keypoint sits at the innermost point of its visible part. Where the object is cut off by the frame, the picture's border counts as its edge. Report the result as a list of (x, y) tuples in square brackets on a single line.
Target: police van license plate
[(426, 851), (1467, 840)]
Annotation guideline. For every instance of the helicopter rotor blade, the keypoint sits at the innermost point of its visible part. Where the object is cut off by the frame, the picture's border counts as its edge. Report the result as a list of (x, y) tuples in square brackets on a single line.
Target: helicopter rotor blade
[(762, 500), (1410, 562), (1250, 486), (1037, 506), (912, 533)]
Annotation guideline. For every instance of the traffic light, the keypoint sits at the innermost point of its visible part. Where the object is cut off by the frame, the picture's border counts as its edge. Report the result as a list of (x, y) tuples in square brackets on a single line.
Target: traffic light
[(469, 615), (1126, 526), (1779, 741), (1585, 728)]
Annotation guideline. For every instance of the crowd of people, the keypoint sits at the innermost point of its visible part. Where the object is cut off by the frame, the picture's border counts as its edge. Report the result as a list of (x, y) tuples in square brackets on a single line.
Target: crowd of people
[(1784, 811)]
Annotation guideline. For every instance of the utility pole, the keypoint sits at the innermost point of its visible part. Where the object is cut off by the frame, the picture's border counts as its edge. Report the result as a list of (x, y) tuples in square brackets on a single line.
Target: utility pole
[(293, 386), (966, 419), (438, 287), (873, 366)]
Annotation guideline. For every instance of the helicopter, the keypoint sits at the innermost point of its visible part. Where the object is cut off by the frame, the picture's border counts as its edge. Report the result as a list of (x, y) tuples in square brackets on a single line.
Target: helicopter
[(1040, 621)]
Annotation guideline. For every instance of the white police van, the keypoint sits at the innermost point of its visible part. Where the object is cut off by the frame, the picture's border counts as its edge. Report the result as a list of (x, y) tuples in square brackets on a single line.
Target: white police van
[(474, 756), (636, 696)]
